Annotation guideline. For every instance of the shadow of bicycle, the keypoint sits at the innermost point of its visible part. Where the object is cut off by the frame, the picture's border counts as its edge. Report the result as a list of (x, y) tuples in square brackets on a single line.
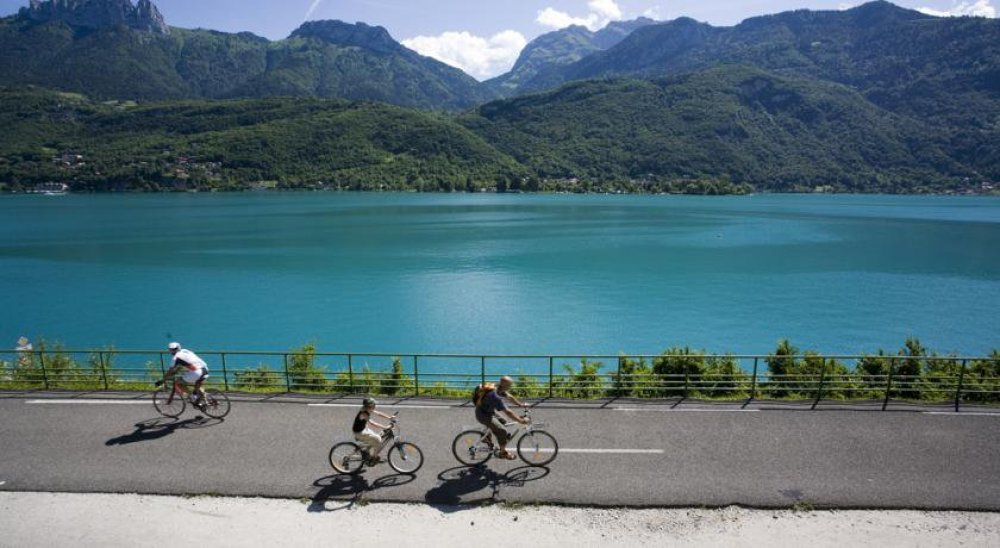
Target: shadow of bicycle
[(343, 491), (160, 427), (458, 483)]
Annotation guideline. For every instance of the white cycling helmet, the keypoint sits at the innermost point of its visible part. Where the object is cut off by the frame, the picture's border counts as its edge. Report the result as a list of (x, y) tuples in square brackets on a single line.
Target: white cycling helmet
[(174, 346)]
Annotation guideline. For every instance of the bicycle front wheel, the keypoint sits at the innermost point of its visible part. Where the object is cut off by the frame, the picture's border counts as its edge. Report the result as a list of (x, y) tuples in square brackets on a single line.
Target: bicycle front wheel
[(167, 403), (346, 457), (537, 448), (406, 458), (469, 448), (216, 404)]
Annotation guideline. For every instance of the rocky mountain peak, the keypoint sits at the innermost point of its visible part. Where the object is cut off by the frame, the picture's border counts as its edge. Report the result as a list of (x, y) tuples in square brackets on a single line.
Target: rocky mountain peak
[(98, 14), (345, 34)]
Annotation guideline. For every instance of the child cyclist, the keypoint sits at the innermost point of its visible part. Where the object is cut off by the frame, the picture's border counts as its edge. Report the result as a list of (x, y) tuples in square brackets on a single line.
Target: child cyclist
[(363, 432)]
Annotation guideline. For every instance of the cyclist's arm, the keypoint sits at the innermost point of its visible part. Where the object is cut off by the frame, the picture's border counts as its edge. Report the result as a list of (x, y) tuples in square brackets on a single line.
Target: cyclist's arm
[(381, 414), (516, 401), (170, 372), (514, 417)]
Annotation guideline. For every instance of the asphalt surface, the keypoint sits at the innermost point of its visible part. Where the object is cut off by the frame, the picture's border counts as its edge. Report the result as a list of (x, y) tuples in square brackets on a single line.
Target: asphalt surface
[(616, 453)]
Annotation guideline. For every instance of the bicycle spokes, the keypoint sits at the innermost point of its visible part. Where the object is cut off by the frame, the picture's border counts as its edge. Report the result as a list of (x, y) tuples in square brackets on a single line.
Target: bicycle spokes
[(537, 448)]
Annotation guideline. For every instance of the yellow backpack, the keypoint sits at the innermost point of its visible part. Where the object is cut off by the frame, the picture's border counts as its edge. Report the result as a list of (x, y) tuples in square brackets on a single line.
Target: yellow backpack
[(480, 392)]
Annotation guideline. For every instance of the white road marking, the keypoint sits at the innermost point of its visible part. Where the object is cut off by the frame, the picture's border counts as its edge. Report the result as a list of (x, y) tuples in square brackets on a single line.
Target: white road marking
[(90, 402), (960, 414), (384, 406), (667, 410), (609, 451)]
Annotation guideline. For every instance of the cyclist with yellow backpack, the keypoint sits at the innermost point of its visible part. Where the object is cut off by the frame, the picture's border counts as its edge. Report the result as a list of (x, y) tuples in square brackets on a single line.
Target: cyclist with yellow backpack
[(489, 403)]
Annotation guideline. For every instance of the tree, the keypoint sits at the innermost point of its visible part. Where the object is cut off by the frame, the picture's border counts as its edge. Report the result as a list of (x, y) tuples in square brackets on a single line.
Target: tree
[(303, 374)]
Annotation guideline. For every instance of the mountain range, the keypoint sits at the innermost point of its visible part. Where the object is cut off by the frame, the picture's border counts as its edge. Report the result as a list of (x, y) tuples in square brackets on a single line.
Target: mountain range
[(876, 97), (110, 49), (554, 50)]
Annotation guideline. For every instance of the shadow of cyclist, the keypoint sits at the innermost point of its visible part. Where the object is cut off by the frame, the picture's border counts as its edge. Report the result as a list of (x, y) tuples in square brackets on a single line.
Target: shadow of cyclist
[(345, 490), (457, 483), (160, 427)]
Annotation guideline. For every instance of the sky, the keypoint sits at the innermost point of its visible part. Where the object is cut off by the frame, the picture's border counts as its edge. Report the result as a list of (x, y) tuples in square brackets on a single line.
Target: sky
[(484, 37)]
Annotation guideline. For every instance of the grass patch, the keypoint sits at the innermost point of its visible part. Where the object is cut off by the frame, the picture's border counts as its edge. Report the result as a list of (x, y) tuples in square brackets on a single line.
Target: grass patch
[(803, 506)]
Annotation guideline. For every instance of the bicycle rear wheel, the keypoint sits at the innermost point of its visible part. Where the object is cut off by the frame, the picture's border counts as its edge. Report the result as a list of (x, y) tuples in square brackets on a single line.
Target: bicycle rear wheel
[(346, 457), (537, 448), (406, 457), (167, 403), (469, 450), (216, 404)]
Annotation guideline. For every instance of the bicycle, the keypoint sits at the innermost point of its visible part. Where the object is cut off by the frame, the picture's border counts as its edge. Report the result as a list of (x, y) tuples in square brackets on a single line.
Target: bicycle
[(171, 400), (348, 457), (536, 447)]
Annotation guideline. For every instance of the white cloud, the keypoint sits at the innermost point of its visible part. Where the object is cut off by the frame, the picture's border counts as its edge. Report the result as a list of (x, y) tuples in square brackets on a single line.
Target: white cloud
[(601, 12), (978, 8), (551, 17), (481, 57), (606, 8)]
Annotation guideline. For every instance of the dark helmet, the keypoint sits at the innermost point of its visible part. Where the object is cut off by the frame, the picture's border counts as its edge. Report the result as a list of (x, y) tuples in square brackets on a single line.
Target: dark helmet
[(369, 402)]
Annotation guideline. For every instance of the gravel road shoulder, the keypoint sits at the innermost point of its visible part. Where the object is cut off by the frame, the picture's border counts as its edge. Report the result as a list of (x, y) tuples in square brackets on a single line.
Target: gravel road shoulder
[(48, 519)]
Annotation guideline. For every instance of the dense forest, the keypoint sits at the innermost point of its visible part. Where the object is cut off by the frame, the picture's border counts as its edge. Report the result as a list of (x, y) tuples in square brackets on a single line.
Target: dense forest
[(876, 98), (720, 131)]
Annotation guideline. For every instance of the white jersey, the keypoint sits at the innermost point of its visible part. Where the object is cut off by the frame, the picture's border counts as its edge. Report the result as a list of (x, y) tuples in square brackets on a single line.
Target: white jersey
[(188, 360)]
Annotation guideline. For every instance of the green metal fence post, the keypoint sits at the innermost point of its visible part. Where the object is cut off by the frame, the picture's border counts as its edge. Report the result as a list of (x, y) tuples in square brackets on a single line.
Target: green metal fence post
[(225, 374), (958, 391), (416, 377), (163, 369), (822, 380), (104, 369), (619, 390), (288, 383), (45, 375), (686, 372), (482, 369), (753, 381), (350, 372), (888, 384), (551, 359)]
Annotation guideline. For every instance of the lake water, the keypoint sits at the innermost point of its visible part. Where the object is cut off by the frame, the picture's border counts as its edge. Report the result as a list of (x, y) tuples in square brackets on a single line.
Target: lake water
[(518, 274)]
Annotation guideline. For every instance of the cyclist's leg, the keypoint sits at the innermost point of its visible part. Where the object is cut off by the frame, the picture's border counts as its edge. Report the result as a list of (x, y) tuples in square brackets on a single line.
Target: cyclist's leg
[(198, 385), (179, 387), (503, 437), (487, 432), (195, 378), (499, 432), (369, 440)]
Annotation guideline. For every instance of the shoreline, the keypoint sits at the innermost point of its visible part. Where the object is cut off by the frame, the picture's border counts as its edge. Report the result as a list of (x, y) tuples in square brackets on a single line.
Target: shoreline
[(304, 190)]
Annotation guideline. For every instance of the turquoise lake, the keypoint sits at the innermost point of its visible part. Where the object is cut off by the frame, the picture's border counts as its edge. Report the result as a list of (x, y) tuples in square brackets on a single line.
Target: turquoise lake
[(497, 274)]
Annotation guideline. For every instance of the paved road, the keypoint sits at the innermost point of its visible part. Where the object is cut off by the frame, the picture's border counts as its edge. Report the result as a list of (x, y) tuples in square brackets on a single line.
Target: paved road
[(698, 455)]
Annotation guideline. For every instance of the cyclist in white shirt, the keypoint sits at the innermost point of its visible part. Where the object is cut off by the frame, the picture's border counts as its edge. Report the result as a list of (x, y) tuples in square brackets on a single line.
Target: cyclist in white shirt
[(194, 371)]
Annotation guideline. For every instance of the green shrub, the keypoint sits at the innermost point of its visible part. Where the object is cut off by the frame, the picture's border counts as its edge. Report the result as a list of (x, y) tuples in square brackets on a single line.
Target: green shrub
[(724, 378), (260, 378), (982, 380), (635, 379), (676, 367), (586, 383), (303, 374)]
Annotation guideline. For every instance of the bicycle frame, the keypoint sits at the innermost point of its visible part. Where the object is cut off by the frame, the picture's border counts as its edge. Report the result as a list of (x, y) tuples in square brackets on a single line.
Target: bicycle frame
[(392, 438), (513, 428)]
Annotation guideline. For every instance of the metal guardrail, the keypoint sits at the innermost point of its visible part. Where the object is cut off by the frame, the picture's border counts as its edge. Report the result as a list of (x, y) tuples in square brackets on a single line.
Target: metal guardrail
[(814, 378)]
